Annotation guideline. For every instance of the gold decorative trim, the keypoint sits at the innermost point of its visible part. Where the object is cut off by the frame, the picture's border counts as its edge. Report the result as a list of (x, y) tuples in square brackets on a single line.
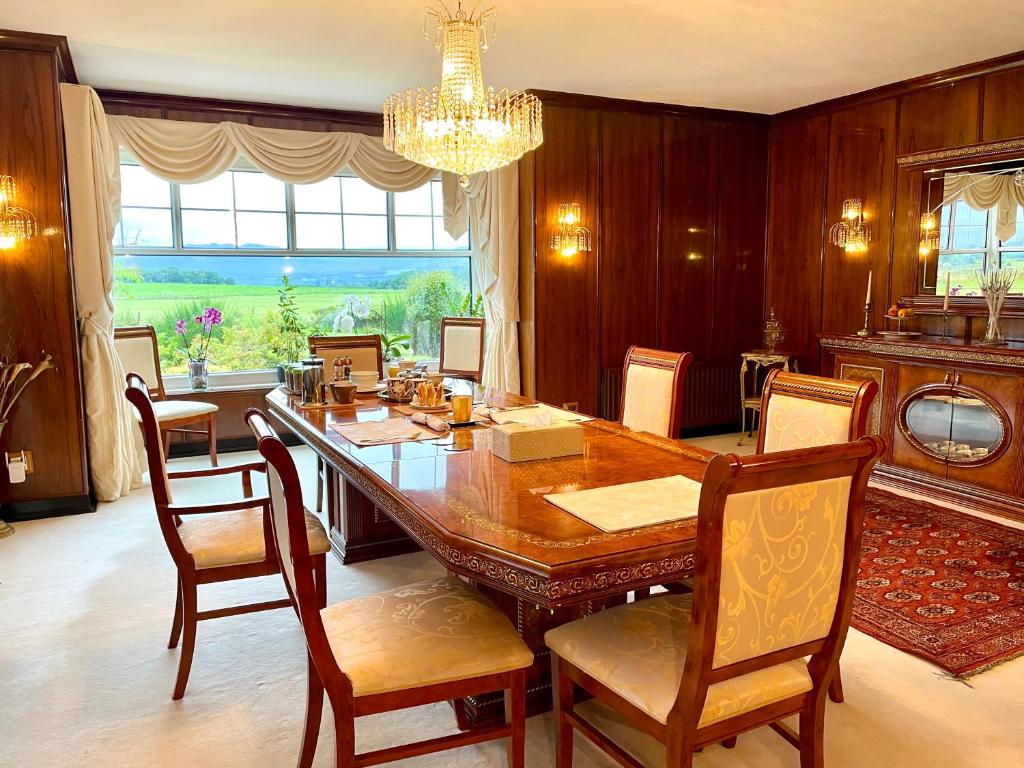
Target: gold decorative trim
[(942, 354), (957, 153), (858, 372), (813, 391)]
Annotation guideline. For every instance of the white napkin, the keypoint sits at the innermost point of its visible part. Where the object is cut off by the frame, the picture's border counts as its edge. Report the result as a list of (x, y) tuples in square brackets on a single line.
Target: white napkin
[(432, 422)]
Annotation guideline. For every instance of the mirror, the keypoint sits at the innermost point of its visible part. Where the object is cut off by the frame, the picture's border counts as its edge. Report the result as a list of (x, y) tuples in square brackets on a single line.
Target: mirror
[(975, 222)]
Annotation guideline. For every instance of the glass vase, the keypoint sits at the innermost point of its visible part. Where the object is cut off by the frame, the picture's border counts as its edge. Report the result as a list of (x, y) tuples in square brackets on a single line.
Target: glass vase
[(198, 376)]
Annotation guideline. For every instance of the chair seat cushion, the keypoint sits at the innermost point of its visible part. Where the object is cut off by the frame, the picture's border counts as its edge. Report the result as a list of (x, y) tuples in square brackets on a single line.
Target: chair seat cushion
[(169, 410), (422, 634), (638, 651), (236, 538)]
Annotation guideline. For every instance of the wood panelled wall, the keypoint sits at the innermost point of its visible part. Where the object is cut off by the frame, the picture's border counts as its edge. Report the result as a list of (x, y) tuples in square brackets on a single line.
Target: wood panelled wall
[(825, 153), (676, 200), (37, 304)]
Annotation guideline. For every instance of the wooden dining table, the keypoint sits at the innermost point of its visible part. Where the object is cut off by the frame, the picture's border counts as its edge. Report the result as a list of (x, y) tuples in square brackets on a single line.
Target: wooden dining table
[(487, 520)]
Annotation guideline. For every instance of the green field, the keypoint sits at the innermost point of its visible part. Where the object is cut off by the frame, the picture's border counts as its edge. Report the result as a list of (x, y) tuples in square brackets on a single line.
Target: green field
[(149, 303)]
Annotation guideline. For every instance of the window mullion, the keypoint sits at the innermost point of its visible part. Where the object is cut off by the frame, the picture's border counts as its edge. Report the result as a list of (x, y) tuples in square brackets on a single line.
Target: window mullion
[(176, 227), (289, 209)]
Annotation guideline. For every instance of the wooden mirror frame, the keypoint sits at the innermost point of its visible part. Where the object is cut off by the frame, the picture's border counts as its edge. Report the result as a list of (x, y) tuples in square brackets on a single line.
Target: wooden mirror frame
[(912, 174)]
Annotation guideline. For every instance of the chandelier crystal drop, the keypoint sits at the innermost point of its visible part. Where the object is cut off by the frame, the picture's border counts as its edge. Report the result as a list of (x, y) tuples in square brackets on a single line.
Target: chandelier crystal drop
[(460, 126)]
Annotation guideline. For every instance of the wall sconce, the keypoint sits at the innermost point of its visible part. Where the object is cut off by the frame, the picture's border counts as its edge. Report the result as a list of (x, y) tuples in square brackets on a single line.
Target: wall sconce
[(929, 235), (16, 224), (571, 237), (851, 233)]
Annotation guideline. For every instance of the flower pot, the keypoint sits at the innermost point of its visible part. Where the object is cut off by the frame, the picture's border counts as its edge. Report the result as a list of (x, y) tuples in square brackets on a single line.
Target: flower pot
[(198, 377)]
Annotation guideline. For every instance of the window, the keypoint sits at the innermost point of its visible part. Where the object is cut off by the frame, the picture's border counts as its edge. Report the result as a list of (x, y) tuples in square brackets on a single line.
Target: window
[(968, 243), (345, 256)]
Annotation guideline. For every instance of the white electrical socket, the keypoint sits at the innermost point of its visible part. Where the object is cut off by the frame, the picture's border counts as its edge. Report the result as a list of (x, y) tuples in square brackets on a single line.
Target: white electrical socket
[(16, 469)]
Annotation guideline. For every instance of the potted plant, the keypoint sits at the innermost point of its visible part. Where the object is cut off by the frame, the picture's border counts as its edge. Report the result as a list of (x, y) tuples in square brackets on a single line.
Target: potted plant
[(290, 343), (197, 347)]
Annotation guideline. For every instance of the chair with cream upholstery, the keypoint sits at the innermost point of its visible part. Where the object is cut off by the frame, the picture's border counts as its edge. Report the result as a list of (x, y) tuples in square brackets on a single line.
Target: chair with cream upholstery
[(462, 348), (801, 411), (652, 390), (779, 539), (210, 543), (366, 355), (426, 642), (137, 349)]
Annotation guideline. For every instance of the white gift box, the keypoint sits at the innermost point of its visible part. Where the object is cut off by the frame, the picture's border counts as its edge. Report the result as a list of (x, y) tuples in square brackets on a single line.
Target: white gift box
[(525, 442)]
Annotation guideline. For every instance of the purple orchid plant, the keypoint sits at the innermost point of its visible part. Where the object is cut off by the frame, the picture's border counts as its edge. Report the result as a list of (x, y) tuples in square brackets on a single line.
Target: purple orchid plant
[(197, 347)]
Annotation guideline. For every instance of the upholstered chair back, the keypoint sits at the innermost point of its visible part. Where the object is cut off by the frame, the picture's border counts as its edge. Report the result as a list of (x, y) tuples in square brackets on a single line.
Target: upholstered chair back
[(288, 520), (136, 347), (652, 391), (365, 352), (462, 347), (779, 547), (800, 411)]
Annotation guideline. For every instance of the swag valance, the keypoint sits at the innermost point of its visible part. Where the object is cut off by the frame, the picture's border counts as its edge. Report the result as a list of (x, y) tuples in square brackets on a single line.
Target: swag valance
[(987, 191), (192, 152)]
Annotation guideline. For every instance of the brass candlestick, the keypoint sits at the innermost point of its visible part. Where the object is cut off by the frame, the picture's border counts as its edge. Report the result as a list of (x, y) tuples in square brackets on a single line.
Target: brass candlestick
[(866, 330)]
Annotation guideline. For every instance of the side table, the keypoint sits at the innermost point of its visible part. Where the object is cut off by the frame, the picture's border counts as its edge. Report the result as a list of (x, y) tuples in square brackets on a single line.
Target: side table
[(758, 359)]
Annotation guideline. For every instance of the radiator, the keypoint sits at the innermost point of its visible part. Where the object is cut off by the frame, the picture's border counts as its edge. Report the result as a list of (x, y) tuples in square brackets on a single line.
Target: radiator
[(711, 394)]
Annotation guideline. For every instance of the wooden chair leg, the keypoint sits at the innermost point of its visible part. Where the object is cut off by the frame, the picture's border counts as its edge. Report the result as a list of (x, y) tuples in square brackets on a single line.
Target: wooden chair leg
[(167, 445), (812, 734), (320, 579), (835, 688), (211, 434), (188, 643), (319, 485), (344, 738), (729, 743), (515, 715), (176, 626), (563, 700), (314, 711)]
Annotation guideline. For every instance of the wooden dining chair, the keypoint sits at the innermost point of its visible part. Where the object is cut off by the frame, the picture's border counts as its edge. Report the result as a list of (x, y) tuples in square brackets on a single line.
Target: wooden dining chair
[(778, 548), (652, 390), (136, 347), (462, 348), (801, 411), (366, 354), (213, 542), (426, 642)]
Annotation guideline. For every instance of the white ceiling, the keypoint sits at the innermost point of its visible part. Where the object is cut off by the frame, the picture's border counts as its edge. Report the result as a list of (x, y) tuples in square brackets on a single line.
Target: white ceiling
[(756, 55)]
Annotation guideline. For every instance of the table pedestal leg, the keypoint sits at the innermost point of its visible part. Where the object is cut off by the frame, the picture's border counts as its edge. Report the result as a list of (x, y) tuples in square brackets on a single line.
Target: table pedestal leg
[(358, 530), (531, 621)]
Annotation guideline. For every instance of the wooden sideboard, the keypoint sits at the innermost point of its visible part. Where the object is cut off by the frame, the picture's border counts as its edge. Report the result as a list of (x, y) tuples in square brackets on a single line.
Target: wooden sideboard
[(952, 415)]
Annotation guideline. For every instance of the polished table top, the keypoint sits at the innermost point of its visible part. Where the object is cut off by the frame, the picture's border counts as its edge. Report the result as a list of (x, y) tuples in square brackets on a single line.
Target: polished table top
[(488, 518)]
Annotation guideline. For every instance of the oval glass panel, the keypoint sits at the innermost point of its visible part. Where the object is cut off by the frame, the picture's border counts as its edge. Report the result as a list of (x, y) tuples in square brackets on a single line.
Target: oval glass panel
[(954, 426)]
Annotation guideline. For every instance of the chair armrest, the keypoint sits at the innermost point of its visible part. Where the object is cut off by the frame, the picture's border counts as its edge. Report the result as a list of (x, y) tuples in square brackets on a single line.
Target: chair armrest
[(256, 466), (220, 506)]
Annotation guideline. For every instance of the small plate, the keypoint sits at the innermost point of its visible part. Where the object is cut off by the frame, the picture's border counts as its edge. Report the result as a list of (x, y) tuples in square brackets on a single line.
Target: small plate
[(431, 409), (383, 395), (455, 424), (375, 388), (899, 334)]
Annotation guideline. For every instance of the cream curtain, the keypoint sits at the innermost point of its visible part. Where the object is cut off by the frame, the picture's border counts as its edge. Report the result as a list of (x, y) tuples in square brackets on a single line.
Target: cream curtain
[(94, 189), (987, 191), (192, 152), (489, 208)]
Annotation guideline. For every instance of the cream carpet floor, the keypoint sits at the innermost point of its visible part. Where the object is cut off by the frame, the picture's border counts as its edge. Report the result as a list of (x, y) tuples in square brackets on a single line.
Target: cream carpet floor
[(85, 676)]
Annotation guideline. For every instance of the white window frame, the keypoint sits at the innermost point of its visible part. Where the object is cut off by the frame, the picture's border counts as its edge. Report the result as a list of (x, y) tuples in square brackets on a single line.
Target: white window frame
[(178, 382)]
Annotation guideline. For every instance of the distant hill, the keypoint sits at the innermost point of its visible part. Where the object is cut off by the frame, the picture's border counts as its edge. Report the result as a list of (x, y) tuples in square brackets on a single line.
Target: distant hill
[(325, 271)]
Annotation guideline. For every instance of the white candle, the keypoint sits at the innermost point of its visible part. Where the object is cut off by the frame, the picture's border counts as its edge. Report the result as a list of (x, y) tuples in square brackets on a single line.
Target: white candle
[(945, 301), (867, 298)]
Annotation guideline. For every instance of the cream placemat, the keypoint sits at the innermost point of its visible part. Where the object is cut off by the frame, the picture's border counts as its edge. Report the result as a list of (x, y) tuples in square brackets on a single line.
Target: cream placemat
[(383, 432), (632, 505), (526, 414)]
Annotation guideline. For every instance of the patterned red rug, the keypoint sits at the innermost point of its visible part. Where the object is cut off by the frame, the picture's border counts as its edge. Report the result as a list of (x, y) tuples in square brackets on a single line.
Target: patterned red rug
[(940, 584)]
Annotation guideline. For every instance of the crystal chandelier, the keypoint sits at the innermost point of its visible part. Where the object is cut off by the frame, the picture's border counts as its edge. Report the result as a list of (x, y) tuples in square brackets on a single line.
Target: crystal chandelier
[(15, 223), (571, 237), (460, 126), (851, 233)]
